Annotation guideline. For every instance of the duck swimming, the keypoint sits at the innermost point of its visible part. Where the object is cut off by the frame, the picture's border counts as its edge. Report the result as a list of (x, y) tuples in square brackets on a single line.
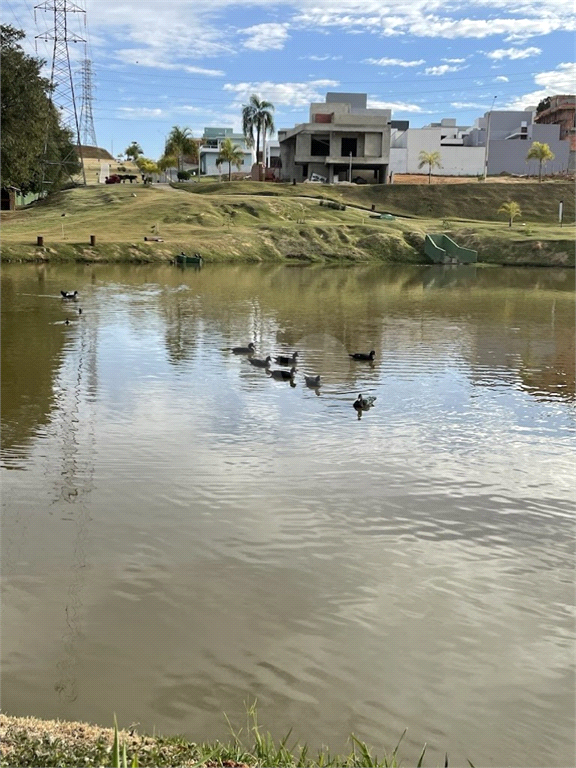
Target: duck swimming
[(363, 403), (249, 350), (312, 381), (260, 363), (283, 375), (69, 294), (363, 356), (285, 360)]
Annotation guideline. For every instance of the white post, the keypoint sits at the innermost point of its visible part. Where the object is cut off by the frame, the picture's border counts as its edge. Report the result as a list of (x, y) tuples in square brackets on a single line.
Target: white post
[(560, 211), (488, 139)]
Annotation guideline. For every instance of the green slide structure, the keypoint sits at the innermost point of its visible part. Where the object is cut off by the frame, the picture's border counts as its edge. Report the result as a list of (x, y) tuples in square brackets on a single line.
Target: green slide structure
[(443, 250)]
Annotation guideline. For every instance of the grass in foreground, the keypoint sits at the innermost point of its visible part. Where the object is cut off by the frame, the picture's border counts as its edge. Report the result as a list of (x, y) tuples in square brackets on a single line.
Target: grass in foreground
[(32, 742)]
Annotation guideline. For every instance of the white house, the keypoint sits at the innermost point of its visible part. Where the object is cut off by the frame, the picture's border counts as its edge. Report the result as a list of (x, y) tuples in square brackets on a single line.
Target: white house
[(444, 137), (211, 141)]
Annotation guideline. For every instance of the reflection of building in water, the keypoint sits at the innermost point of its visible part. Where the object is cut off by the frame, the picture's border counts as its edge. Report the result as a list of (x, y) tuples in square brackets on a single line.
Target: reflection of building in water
[(74, 423)]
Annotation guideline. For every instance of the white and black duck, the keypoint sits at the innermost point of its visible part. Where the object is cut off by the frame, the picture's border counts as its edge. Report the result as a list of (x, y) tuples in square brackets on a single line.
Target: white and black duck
[(69, 294)]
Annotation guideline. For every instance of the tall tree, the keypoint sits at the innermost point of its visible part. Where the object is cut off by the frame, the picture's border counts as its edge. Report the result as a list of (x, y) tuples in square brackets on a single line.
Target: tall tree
[(431, 159), (511, 209), (230, 153), (37, 151), (257, 117), (541, 152), (181, 145), (133, 151)]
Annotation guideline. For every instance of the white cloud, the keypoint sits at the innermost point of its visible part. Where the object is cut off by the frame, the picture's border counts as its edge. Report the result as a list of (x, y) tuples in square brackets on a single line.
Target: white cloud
[(420, 18), (454, 61), (559, 80), (395, 106), (321, 58), (385, 62), (442, 69), (140, 113), (265, 37), (501, 79), (513, 53), (467, 105), (290, 94)]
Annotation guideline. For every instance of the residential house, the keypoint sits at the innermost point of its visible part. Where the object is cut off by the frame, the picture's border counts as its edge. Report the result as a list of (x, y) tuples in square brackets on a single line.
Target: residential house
[(561, 110), (342, 140), (212, 138)]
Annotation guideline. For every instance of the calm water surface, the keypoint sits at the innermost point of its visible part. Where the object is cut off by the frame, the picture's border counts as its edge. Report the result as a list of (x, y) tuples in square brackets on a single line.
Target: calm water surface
[(182, 534)]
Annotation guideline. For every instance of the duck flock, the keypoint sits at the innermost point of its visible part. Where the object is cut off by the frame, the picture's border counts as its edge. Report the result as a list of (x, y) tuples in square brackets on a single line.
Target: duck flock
[(282, 374)]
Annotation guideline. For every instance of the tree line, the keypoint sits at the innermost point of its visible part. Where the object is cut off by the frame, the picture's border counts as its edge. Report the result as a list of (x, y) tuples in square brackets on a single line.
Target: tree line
[(38, 153)]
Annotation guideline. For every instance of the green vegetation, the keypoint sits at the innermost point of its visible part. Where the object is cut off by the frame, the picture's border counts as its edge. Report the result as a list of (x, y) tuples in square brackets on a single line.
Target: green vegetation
[(431, 159), (511, 209), (133, 151), (257, 116), (27, 741), (182, 146), (37, 151), (251, 221), (230, 153), (541, 152)]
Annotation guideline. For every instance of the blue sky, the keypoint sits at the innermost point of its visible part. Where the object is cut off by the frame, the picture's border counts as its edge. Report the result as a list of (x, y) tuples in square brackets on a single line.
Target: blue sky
[(159, 63)]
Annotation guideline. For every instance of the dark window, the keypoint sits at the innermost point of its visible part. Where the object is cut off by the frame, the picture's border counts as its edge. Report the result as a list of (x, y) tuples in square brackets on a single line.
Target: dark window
[(305, 170), (349, 146), (320, 146)]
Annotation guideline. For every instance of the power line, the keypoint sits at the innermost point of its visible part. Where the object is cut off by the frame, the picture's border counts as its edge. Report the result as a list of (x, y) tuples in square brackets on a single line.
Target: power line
[(61, 81)]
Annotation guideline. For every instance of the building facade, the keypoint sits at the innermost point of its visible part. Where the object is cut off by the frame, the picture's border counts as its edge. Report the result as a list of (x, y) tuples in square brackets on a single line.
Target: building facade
[(343, 140), (463, 151), (561, 110), (212, 138)]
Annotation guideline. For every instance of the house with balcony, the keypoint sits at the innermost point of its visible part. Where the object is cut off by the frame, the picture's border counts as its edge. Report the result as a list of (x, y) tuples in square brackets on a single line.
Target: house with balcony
[(212, 138), (343, 140)]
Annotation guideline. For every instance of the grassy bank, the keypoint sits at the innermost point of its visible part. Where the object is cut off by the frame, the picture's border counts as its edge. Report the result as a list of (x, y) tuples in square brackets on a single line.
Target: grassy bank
[(28, 741), (245, 221)]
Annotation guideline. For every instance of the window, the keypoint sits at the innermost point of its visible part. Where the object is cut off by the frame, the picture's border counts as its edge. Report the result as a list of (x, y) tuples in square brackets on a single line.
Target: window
[(349, 147), (320, 146)]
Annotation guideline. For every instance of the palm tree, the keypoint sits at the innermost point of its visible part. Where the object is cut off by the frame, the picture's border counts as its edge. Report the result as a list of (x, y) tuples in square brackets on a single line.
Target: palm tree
[(431, 159), (230, 153), (181, 145), (134, 150), (541, 152), (257, 116), (511, 209)]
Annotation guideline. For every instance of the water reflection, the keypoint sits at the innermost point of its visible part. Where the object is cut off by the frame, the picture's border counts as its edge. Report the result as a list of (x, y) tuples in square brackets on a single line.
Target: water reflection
[(411, 567)]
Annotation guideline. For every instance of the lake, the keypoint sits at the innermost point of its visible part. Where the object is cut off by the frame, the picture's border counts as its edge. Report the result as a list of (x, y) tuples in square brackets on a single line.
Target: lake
[(183, 535)]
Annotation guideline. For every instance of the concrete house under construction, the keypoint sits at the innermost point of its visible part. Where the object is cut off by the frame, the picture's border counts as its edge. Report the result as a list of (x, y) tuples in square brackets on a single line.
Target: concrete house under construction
[(343, 141)]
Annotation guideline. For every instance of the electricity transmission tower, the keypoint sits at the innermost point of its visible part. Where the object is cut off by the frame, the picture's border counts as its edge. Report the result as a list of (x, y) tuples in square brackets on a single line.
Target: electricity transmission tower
[(87, 132), (61, 79)]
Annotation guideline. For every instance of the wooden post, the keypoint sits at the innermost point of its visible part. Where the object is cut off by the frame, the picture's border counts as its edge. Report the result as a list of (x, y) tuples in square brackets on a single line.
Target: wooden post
[(92, 239), (373, 206), (39, 240)]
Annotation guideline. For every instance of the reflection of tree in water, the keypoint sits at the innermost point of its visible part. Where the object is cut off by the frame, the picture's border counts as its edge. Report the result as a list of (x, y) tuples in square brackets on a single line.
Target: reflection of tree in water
[(76, 437), (183, 326)]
